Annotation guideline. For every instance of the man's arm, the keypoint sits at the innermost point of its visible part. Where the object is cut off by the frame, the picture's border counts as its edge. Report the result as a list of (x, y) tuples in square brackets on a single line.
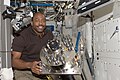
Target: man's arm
[(20, 64)]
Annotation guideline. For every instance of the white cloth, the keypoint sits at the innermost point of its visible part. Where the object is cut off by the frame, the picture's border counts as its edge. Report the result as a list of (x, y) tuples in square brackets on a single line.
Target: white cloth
[(6, 74)]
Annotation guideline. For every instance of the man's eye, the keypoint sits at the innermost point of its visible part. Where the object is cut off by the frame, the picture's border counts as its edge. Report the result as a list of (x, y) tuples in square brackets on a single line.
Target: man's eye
[(36, 20)]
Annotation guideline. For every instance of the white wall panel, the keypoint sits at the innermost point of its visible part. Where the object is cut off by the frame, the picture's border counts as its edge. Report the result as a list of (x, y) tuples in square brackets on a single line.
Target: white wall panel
[(112, 44), (107, 50), (113, 72), (100, 71), (107, 69), (99, 37)]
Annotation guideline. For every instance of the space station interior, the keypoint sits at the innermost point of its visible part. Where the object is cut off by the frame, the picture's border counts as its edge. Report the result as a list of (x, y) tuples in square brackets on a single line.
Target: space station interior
[(86, 40)]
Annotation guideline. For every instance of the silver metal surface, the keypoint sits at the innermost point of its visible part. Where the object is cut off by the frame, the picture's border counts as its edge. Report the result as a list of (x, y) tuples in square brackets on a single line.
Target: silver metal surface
[(67, 69), (55, 59)]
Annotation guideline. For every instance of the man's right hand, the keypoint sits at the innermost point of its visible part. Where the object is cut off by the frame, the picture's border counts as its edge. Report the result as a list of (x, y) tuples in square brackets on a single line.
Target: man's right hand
[(35, 67), (20, 64)]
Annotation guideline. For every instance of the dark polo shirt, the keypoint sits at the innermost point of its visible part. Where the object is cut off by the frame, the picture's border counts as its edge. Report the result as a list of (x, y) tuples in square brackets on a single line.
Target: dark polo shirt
[(30, 44)]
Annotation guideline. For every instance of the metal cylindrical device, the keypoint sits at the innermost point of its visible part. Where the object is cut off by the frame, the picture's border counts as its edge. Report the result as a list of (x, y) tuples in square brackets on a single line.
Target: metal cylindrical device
[(57, 60), (52, 54)]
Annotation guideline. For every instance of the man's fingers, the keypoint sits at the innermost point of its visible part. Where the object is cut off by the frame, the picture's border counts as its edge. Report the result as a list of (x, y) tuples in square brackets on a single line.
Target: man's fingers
[(36, 68)]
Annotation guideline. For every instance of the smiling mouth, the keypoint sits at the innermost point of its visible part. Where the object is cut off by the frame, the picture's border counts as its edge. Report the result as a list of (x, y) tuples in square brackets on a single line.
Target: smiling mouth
[(40, 27)]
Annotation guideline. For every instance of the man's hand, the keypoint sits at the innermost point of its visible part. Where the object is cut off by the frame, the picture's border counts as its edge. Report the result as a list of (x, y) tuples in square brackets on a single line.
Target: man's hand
[(20, 64), (36, 68)]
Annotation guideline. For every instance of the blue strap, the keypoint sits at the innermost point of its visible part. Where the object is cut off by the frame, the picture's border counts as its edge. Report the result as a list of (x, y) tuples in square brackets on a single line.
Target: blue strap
[(77, 42)]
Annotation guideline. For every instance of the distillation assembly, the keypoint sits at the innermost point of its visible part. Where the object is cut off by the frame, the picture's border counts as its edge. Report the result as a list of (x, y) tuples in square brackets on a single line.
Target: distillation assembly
[(58, 59)]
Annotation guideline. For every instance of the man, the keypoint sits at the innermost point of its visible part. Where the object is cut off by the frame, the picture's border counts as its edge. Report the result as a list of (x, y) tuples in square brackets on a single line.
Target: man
[(26, 49)]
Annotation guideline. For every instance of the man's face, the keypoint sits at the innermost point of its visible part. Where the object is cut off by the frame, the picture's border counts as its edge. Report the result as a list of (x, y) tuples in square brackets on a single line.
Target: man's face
[(39, 22)]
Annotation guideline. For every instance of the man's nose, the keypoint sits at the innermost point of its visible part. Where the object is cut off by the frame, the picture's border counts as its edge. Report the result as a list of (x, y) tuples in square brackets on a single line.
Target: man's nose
[(40, 23)]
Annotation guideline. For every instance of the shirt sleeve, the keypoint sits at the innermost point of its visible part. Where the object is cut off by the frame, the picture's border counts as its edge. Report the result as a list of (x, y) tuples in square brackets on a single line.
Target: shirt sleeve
[(18, 44)]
